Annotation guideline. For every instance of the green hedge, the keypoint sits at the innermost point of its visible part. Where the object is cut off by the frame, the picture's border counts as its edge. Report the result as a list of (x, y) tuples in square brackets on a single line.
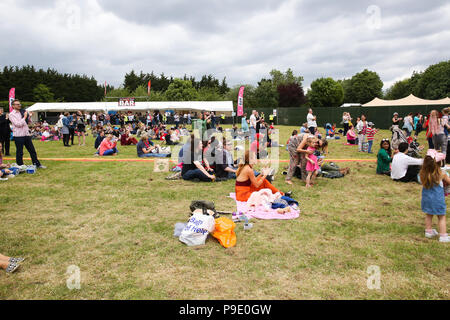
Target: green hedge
[(380, 116), (5, 104)]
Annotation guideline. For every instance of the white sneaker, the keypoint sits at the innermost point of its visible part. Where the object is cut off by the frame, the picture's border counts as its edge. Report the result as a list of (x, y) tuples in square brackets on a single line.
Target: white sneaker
[(3, 179), (444, 238), (431, 234)]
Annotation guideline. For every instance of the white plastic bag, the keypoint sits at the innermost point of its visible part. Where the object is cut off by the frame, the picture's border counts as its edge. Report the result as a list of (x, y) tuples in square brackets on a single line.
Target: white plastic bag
[(197, 229)]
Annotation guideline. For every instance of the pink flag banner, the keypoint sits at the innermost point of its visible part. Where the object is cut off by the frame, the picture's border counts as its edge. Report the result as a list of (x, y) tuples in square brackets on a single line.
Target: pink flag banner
[(12, 96), (240, 105), (149, 86)]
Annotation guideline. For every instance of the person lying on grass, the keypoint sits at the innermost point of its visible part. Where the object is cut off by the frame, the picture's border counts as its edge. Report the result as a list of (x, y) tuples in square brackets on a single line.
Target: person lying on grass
[(5, 173), (9, 264)]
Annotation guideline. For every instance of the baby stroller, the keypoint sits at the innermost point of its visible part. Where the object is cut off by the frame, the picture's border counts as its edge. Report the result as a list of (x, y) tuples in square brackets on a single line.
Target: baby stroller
[(328, 130), (398, 136)]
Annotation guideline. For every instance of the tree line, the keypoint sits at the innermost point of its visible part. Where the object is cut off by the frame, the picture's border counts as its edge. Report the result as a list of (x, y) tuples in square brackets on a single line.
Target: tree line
[(48, 85), (279, 89)]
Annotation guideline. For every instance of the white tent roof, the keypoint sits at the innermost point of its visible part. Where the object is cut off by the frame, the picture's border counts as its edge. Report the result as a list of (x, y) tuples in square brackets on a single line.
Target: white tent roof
[(217, 106), (410, 100)]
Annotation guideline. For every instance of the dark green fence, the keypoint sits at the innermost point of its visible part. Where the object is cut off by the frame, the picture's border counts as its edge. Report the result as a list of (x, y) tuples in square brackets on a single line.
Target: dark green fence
[(380, 116)]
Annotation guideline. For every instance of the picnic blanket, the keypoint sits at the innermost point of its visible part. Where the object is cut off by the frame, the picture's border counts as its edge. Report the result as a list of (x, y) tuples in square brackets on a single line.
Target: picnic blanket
[(262, 213)]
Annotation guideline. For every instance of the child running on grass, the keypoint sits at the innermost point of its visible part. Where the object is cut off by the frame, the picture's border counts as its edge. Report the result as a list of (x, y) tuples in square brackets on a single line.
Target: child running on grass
[(433, 198), (312, 166)]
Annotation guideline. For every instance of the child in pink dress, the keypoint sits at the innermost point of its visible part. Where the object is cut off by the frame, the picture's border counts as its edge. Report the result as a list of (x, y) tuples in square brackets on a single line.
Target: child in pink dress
[(312, 166)]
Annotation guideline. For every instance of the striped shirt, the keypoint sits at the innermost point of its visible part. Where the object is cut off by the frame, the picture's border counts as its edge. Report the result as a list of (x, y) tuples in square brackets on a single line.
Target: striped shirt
[(370, 132), (20, 126)]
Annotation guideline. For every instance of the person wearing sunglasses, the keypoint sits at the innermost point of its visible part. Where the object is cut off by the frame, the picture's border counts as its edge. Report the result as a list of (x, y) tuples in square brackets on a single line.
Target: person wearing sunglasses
[(22, 136)]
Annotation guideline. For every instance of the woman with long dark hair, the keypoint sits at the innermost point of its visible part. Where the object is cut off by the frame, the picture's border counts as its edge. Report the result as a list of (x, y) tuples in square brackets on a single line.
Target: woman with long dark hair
[(384, 158), (192, 163)]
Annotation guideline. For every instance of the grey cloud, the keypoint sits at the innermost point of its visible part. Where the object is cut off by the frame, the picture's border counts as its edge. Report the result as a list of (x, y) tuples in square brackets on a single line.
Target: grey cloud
[(200, 15), (240, 40)]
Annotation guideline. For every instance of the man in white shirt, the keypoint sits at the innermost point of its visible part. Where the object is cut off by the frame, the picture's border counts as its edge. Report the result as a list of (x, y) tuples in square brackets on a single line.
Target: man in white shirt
[(253, 125), (312, 124), (405, 168)]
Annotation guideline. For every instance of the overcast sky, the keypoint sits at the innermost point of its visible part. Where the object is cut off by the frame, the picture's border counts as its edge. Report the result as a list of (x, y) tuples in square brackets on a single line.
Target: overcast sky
[(240, 40)]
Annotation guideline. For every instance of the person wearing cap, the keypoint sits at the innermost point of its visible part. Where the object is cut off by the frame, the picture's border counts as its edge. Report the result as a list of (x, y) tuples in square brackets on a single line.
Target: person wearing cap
[(396, 120), (370, 133)]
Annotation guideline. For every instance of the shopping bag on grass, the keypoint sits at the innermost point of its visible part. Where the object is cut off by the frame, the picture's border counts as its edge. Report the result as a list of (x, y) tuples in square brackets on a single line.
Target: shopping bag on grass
[(224, 232), (197, 229)]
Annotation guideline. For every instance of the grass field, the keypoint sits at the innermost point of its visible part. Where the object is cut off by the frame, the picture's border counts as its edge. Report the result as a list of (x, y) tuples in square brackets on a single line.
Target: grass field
[(115, 222)]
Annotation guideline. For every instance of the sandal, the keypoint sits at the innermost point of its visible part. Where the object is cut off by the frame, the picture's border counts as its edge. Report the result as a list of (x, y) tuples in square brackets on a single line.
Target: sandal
[(12, 268), (16, 260)]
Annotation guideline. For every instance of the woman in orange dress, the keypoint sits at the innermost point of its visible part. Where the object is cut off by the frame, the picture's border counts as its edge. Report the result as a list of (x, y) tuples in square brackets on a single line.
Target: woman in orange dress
[(247, 183)]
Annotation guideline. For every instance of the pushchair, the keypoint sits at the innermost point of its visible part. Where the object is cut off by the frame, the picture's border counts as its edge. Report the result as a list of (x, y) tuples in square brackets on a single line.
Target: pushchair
[(398, 136)]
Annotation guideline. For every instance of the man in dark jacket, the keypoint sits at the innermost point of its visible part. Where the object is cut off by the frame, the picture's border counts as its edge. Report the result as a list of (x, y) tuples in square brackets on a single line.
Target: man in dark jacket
[(5, 132)]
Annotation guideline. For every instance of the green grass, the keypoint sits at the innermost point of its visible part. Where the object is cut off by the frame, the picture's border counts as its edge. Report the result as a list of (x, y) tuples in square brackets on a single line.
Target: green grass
[(115, 222)]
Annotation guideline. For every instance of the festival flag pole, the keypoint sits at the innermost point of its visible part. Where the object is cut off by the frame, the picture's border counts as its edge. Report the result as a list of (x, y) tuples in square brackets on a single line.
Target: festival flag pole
[(12, 96), (240, 105)]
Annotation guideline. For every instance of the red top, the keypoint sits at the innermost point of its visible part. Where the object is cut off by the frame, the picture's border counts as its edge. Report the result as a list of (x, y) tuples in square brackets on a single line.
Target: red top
[(106, 145)]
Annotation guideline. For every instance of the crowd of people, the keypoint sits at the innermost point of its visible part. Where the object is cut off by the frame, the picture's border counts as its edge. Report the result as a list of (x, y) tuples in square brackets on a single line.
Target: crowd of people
[(206, 157)]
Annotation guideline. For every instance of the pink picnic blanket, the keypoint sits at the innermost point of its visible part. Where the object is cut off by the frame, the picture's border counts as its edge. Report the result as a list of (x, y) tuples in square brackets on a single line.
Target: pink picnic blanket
[(261, 213)]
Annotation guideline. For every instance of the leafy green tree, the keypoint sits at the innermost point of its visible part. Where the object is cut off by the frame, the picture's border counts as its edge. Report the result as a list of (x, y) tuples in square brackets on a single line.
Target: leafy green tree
[(279, 78), (65, 87), (223, 89), (325, 92), (364, 87), (249, 96), (42, 93), (140, 91), (181, 90), (157, 96), (399, 90), (291, 95), (132, 81), (345, 83), (265, 95), (209, 94), (119, 93), (434, 82)]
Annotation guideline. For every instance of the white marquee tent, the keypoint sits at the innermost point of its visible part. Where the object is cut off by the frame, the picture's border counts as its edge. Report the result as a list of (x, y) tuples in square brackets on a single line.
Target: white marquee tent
[(216, 106), (410, 100)]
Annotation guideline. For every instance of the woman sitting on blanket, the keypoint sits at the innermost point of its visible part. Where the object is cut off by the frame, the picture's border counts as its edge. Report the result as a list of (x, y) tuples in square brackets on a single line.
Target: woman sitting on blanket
[(247, 183)]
